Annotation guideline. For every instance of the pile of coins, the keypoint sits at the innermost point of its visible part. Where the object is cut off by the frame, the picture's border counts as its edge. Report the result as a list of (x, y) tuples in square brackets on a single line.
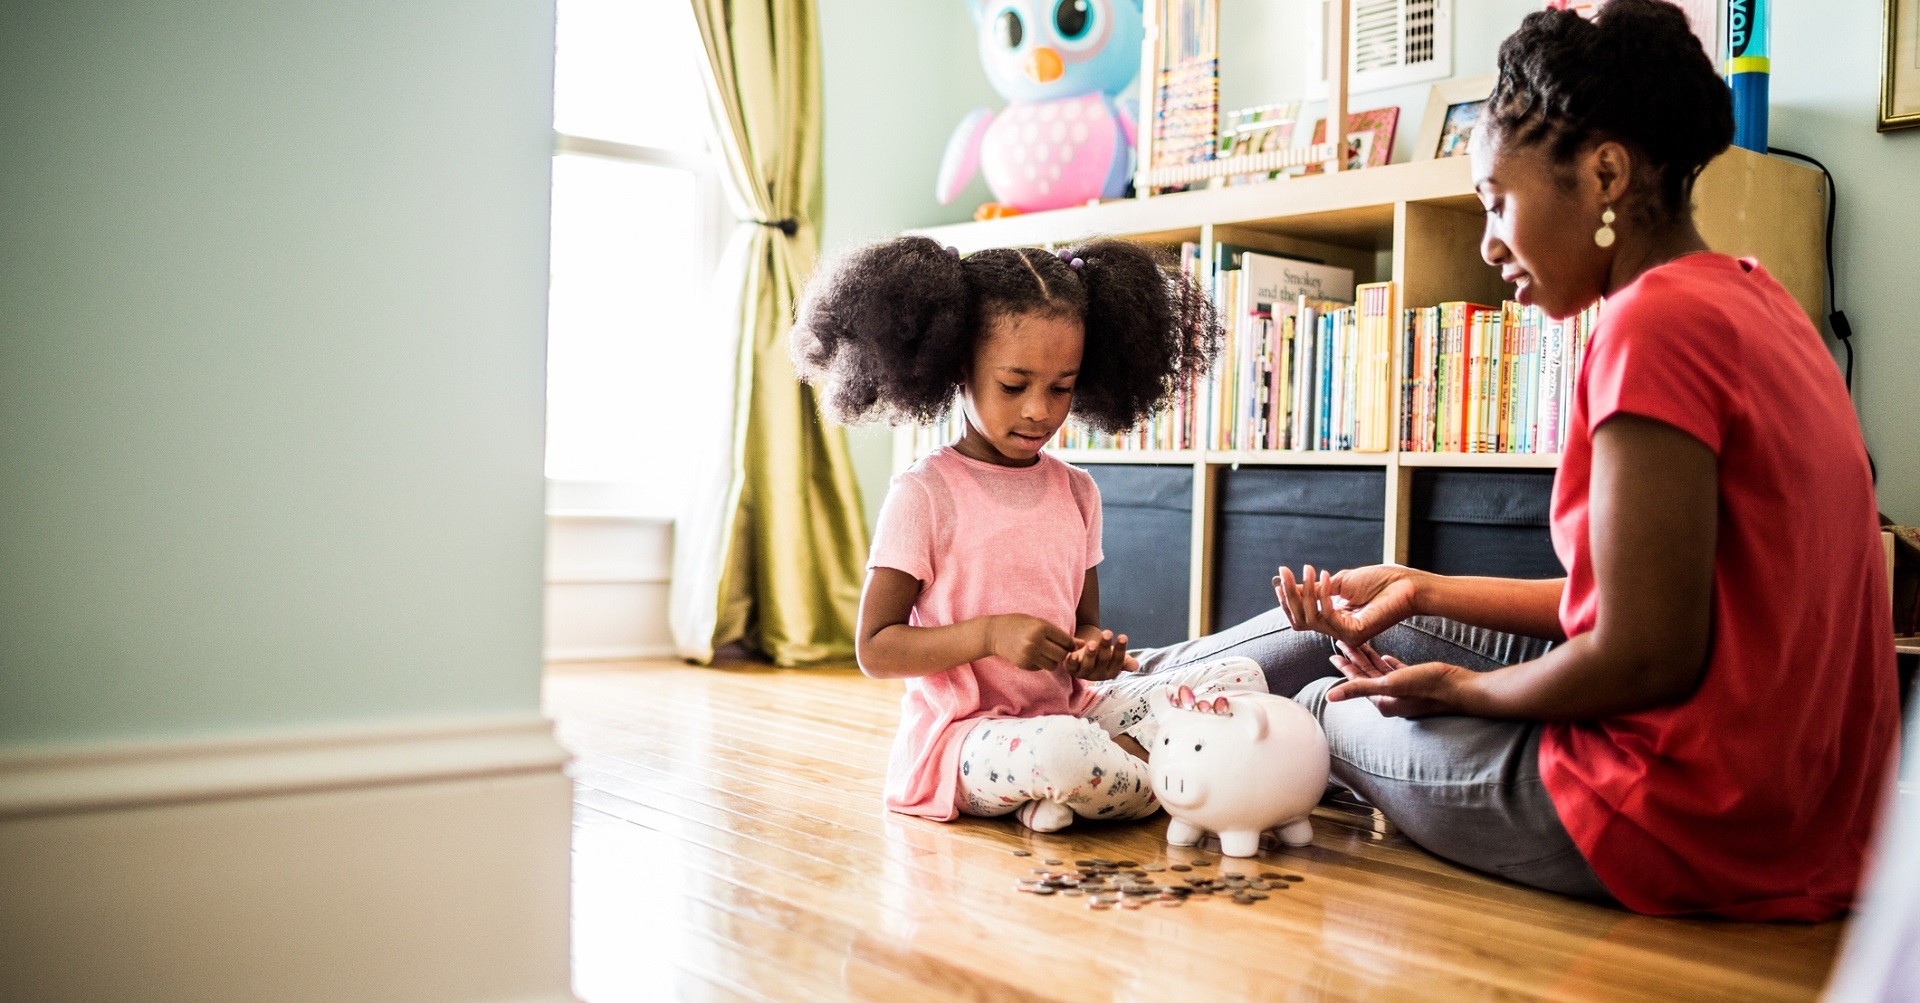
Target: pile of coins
[(1129, 884)]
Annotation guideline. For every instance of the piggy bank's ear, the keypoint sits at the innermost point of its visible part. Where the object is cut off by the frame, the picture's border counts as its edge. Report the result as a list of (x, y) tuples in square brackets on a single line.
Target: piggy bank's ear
[(1161, 699), (1251, 716)]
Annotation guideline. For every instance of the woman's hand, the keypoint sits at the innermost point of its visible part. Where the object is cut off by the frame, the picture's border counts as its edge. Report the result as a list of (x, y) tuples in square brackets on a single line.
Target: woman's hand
[(1398, 689), (1100, 656), (1351, 606), (1029, 642)]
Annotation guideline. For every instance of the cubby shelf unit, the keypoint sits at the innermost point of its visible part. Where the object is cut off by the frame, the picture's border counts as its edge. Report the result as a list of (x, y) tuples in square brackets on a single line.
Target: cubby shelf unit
[(1418, 225)]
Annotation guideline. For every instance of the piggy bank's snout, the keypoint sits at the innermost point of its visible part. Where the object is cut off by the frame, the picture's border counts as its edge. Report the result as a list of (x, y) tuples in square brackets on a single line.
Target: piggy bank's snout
[(1179, 790)]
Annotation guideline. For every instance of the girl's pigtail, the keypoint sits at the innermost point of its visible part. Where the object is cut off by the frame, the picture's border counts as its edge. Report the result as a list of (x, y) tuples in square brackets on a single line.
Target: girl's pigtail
[(1150, 331), (884, 332)]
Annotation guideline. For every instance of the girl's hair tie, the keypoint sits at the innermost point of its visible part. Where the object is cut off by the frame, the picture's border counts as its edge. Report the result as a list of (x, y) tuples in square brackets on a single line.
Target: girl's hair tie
[(953, 252), (1075, 263), (1066, 257)]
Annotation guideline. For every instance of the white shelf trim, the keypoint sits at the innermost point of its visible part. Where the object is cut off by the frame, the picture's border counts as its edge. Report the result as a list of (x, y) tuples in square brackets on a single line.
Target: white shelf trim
[(1311, 458), (1542, 461)]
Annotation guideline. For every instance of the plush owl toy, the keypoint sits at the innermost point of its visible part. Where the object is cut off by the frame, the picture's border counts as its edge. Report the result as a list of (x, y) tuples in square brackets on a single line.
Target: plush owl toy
[(1061, 140)]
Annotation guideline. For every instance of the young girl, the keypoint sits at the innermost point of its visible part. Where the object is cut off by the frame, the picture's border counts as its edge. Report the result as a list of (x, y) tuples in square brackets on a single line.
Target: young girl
[(982, 590)]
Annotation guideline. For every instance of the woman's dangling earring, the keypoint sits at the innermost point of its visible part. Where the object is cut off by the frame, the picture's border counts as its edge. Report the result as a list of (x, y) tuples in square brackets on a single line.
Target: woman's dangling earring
[(1604, 235)]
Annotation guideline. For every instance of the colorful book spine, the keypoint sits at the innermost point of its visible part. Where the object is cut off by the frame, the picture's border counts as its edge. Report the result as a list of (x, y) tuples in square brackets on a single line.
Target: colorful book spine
[(1323, 365), (1300, 428), (1552, 332)]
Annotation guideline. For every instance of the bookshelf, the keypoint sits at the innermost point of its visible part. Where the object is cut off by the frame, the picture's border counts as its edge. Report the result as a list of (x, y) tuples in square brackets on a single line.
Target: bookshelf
[(1417, 225)]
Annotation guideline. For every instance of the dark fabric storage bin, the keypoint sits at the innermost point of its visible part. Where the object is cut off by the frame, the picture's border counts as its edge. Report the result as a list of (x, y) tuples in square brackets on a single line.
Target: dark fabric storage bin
[(1330, 518), (1147, 518), (1483, 522)]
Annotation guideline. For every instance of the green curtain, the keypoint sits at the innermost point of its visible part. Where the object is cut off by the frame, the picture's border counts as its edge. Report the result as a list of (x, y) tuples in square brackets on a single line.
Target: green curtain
[(775, 553)]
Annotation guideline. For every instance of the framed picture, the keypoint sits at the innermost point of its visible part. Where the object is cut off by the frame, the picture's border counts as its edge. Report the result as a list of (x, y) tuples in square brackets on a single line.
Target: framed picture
[(1900, 73), (1453, 106), (1369, 138)]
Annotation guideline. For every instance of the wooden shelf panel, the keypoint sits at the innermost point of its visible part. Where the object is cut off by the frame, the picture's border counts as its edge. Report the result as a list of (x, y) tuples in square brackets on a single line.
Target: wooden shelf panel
[(1310, 458), (1296, 458), (1354, 208), (1540, 461), (1178, 456)]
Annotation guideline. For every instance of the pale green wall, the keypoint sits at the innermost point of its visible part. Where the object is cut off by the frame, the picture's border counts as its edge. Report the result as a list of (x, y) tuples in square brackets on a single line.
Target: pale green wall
[(273, 287), (1826, 85), (899, 76), (897, 79)]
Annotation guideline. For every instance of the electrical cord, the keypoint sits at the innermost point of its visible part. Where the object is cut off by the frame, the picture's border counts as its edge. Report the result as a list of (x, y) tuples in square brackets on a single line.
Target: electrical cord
[(1836, 318)]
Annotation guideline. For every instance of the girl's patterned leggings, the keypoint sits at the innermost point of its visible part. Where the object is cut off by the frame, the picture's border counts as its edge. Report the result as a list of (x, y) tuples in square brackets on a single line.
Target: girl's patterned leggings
[(1073, 761)]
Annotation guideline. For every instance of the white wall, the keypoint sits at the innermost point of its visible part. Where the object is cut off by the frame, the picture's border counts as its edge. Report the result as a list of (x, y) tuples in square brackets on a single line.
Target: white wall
[(899, 76), (273, 287)]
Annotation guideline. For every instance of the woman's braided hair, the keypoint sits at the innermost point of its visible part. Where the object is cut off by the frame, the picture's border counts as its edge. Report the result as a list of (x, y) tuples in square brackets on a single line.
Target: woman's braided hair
[(1635, 74), (886, 331)]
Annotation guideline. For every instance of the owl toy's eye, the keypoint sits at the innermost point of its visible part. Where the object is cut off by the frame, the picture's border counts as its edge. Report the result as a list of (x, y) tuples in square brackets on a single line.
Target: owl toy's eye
[(1010, 29), (1073, 18)]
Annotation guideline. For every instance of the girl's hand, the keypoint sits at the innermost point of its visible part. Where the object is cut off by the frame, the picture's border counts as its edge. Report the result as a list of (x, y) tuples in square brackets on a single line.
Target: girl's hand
[(1351, 606), (1028, 641), (1100, 657), (1398, 689)]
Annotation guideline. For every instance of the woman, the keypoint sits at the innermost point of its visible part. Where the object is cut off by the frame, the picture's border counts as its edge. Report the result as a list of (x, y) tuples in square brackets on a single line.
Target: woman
[(1699, 718)]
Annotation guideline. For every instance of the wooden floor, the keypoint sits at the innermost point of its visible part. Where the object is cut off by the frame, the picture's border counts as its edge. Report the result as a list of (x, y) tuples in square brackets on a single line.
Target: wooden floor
[(729, 844)]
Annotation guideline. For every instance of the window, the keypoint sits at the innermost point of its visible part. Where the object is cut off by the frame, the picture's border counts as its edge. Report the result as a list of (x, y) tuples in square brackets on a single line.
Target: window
[(638, 217)]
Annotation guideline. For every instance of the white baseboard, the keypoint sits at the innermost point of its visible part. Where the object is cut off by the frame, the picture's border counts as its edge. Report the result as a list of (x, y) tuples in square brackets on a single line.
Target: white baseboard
[(137, 775), (602, 618), (423, 863), (614, 653)]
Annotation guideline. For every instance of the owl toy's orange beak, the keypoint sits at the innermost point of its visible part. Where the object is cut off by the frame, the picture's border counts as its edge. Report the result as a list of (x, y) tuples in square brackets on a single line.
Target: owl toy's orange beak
[(1044, 66)]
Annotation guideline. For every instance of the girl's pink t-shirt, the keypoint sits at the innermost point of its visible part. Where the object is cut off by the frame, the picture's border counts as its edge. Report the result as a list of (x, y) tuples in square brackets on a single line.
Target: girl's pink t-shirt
[(1754, 797), (982, 539)]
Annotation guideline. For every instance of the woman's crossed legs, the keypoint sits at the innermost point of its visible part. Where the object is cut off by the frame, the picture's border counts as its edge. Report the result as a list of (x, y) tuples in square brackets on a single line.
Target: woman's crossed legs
[(1466, 788)]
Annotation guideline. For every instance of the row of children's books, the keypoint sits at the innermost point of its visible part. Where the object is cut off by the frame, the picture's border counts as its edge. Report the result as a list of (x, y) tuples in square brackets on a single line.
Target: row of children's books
[(1181, 426), (1308, 363), (1476, 379)]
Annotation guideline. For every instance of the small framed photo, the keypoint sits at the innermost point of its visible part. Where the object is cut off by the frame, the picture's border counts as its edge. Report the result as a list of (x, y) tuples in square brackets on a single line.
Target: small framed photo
[(1369, 138), (1900, 72), (1453, 106), (1265, 129)]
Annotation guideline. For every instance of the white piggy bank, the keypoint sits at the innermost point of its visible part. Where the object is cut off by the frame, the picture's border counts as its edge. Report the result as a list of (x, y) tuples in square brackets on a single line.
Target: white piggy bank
[(1237, 765)]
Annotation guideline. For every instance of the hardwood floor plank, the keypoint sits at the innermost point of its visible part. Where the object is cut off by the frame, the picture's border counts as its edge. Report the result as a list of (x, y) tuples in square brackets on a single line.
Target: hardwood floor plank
[(743, 921), (1246, 936), (954, 923), (888, 974), (747, 802), (1423, 856), (1462, 883)]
